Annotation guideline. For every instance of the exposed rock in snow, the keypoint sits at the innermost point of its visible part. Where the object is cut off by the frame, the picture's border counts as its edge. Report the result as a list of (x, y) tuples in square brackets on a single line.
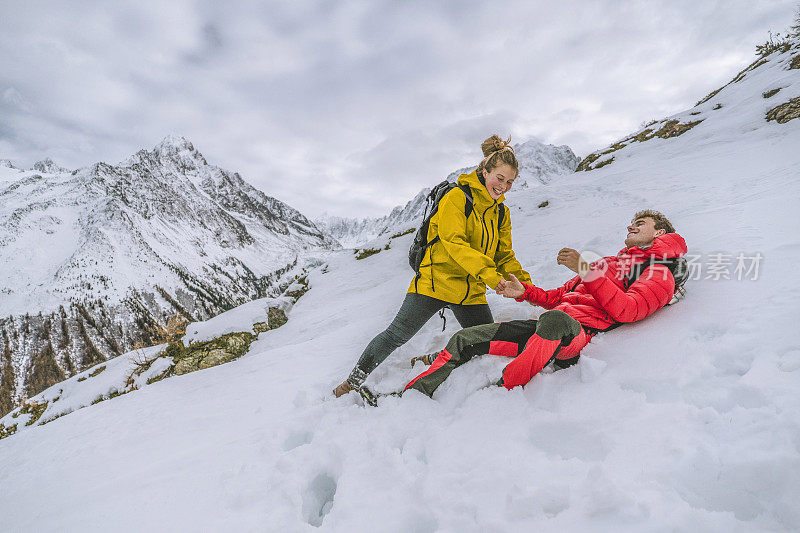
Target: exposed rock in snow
[(47, 166)]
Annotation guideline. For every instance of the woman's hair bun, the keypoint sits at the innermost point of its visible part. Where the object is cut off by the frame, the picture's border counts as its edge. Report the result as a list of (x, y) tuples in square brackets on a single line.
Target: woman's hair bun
[(492, 144), (496, 151)]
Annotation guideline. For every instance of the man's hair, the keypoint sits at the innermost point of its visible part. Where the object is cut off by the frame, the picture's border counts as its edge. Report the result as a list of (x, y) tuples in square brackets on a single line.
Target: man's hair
[(661, 222)]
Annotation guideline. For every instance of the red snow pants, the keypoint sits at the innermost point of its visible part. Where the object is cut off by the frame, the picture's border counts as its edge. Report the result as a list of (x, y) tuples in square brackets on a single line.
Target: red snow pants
[(532, 343)]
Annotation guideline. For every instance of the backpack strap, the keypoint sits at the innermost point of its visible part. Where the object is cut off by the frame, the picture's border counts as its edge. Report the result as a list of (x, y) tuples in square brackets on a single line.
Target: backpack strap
[(575, 286), (677, 266), (468, 205)]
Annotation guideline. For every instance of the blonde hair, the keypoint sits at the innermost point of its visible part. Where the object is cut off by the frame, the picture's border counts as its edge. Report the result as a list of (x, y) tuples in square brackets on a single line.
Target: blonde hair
[(497, 152)]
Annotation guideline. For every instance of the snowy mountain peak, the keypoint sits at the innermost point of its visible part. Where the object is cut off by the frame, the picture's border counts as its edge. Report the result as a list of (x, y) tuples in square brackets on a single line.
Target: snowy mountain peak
[(174, 143), (6, 163), (173, 150), (47, 166), (107, 254), (541, 162)]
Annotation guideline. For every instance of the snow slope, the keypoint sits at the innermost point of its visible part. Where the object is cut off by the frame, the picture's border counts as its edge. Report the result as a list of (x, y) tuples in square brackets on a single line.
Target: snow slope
[(686, 421)]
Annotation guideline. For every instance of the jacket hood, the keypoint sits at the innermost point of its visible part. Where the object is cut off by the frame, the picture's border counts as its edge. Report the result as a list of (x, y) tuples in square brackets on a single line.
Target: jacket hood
[(480, 193), (666, 246)]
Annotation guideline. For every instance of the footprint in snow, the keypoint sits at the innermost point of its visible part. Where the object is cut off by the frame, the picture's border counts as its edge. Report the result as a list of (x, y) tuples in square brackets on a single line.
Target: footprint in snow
[(295, 439), (318, 499)]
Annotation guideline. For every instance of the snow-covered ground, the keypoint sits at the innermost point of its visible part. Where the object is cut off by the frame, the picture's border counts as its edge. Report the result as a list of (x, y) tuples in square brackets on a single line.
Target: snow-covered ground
[(686, 421)]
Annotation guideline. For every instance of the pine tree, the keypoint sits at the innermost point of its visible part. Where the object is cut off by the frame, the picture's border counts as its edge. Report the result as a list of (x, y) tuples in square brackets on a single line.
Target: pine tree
[(63, 343), (6, 380), (68, 366), (45, 371), (794, 31), (91, 355)]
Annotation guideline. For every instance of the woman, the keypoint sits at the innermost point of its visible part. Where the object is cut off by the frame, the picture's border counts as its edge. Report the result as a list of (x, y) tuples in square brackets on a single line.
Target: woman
[(472, 252)]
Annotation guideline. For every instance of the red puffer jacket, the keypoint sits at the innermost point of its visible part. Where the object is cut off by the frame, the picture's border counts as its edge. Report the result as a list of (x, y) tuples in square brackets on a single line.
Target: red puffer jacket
[(601, 300)]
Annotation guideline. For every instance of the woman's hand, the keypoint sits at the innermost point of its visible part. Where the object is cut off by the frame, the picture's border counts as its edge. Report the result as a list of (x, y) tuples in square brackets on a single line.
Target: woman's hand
[(512, 288)]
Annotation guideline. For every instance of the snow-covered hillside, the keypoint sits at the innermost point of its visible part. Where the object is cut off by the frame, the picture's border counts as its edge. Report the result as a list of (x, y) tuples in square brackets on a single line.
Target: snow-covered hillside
[(97, 259), (126, 222), (686, 421), (539, 163)]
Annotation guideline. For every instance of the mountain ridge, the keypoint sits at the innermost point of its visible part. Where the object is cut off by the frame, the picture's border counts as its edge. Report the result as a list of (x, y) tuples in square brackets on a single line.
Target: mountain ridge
[(129, 245)]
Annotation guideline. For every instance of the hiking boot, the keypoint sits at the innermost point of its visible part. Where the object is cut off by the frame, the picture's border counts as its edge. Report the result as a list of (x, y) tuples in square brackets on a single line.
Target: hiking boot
[(426, 359), (343, 388), (369, 397), (353, 382)]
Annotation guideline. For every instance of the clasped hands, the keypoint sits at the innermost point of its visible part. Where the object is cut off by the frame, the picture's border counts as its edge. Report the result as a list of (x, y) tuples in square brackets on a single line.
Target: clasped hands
[(513, 288)]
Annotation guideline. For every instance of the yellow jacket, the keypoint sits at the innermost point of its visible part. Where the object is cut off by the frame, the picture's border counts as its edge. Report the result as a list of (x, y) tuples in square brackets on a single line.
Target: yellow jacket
[(471, 253)]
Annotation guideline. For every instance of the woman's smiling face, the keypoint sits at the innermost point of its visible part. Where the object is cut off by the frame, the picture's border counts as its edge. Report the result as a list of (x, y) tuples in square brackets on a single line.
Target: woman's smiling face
[(499, 180)]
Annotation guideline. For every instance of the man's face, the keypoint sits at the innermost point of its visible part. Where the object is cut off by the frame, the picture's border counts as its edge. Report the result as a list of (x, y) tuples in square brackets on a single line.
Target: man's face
[(642, 232)]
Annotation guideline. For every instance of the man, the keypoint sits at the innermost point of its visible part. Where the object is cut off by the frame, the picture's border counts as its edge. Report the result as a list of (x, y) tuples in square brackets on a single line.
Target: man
[(613, 290)]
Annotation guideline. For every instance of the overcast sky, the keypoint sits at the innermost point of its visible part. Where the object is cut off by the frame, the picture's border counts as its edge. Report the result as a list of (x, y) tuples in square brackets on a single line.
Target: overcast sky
[(352, 107)]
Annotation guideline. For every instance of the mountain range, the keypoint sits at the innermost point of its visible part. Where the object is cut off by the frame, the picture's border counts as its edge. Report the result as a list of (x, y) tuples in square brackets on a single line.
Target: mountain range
[(98, 259)]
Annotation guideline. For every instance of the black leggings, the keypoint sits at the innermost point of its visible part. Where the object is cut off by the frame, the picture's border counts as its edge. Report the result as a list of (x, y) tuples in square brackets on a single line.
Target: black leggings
[(416, 310)]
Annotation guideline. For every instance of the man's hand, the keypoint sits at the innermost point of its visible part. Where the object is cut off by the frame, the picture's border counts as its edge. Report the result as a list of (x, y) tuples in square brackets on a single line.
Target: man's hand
[(512, 288), (572, 260)]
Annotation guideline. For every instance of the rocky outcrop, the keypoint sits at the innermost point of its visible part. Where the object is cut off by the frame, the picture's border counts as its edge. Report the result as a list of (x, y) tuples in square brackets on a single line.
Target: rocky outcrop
[(739, 77), (207, 354), (668, 130), (785, 112), (47, 166)]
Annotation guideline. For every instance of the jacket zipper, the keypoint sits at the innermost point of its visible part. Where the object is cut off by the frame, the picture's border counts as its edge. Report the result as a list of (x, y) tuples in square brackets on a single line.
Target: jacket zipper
[(483, 219), (467, 294), (498, 230), (430, 250)]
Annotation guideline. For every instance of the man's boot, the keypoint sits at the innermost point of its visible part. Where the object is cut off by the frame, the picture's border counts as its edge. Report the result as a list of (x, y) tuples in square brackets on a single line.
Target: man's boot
[(426, 359)]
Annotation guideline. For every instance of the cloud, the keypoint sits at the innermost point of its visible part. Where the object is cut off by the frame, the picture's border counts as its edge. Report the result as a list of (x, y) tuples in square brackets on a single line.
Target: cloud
[(351, 107)]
